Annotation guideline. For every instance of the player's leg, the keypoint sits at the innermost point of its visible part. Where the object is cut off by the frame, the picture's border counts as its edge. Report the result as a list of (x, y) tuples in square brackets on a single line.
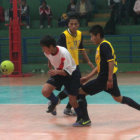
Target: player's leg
[(115, 92), (128, 101), (67, 111), (56, 82), (47, 91), (83, 104), (91, 88)]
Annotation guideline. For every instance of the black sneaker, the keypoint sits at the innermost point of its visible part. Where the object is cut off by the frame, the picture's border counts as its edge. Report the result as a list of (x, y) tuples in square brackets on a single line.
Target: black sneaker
[(52, 107), (82, 123), (54, 111)]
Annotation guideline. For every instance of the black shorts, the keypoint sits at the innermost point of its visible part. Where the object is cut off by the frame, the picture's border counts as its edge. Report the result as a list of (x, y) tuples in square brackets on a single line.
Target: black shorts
[(71, 82), (99, 84)]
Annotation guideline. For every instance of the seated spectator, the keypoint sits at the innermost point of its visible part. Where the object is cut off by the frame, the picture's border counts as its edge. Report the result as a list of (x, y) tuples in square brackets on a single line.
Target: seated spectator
[(137, 11), (45, 13), (1, 14), (25, 13), (84, 9), (62, 22), (71, 8)]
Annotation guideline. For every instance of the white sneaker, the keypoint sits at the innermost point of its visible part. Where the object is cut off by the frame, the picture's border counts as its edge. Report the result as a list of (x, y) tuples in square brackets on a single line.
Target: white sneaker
[(27, 27), (49, 26), (41, 26), (69, 112)]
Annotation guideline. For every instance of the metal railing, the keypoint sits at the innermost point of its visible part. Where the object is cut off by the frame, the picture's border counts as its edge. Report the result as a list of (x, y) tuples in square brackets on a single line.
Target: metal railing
[(127, 48)]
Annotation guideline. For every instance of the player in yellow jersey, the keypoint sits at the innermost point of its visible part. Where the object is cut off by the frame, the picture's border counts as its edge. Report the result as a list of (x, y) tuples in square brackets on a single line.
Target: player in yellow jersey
[(106, 69), (72, 39)]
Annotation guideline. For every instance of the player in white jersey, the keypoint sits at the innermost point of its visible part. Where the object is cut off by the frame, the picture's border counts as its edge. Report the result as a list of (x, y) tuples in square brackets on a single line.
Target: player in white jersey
[(64, 73)]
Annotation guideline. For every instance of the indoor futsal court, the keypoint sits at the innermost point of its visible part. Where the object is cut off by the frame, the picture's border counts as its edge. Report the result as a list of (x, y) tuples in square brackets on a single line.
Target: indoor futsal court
[(23, 113), (23, 68)]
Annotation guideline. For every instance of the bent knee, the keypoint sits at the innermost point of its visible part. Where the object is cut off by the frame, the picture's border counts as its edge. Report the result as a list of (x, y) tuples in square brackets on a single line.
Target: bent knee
[(81, 91), (45, 93), (118, 99), (47, 90)]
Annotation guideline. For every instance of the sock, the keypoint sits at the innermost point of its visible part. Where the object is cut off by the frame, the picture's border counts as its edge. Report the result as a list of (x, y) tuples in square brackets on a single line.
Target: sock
[(53, 98), (79, 113), (69, 106), (130, 102), (62, 95), (83, 105)]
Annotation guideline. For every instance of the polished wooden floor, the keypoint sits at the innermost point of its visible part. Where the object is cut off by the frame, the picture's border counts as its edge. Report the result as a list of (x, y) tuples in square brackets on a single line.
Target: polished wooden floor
[(22, 121)]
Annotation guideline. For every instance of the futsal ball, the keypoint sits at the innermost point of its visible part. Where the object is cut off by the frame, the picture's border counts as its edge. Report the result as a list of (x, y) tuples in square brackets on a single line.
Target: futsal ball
[(7, 67)]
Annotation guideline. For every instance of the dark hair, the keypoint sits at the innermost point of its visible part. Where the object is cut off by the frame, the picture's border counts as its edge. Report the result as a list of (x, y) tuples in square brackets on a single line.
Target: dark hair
[(73, 17), (97, 29), (47, 41), (43, 1)]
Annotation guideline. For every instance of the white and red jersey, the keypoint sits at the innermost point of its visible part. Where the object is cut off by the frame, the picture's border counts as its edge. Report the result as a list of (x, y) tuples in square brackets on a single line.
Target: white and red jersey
[(62, 60)]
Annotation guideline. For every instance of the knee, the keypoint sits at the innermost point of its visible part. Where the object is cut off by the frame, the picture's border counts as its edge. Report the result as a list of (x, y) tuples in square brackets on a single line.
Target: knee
[(82, 92), (118, 99), (45, 92)]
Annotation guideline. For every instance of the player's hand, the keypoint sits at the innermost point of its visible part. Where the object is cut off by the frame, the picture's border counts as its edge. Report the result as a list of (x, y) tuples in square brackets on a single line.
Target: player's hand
[(83, 80), (91, 64), (50, 66), (52, 72), (109, 84)]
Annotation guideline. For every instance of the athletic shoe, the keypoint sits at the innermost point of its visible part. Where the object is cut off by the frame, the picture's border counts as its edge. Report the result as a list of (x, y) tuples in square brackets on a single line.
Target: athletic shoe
[(52, 107), (54, 111), (82, 123), (69, 112)]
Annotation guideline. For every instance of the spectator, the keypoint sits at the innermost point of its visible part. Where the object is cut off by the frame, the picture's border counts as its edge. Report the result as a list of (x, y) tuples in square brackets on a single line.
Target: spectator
[(1, 14), (84, 9), (71, 8), (116, 7), (62, 22), (125, 11), (25, 13), (137, 11), (45, 13)]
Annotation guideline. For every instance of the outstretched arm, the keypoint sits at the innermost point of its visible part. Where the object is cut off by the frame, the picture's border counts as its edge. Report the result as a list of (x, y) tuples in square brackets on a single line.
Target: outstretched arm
[(90, 75)]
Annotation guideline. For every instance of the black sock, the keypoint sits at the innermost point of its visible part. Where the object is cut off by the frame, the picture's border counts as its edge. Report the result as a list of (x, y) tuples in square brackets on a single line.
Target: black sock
[(83, 105), (69, 105), (79, 113), (130, 102), (53, 98), (62, 95)]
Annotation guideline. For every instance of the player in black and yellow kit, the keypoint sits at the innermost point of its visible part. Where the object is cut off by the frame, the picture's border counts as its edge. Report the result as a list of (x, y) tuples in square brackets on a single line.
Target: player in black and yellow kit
[(72, 39), (106, 69)]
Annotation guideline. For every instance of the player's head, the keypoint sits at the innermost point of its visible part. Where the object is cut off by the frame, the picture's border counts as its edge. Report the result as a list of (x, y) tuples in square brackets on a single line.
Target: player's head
[(48, 44), (97, 34), (73, 23), (23, 2)]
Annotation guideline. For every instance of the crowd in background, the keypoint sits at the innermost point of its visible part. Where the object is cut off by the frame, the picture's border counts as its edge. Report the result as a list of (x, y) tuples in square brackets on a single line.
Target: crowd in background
[(121, 11)]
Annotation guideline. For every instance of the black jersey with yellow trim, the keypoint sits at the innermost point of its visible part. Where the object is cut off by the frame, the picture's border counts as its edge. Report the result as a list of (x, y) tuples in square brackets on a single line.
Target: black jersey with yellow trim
[(104, 54)]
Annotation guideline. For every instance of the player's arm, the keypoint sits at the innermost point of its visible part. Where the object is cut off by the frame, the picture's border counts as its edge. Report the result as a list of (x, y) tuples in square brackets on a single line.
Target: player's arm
[(62, 40), (49, 65), (84, 53), (89, 76), (57, 72), (110, 74), (106, 52)]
